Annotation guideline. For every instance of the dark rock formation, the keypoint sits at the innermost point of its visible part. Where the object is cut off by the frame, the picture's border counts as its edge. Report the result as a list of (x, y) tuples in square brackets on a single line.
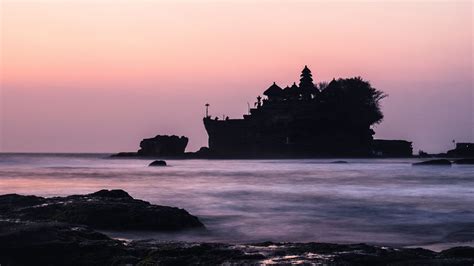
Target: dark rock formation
[(51, 243), (462, 150), (163, 145), (435, 162), (62, 244), (464, 161), (105, 209), (203, 152), (339, 162), (392, 148), (158, 163)]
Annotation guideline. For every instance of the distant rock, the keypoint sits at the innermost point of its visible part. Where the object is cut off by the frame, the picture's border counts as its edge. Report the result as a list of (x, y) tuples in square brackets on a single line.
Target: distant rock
[(339, 162), (158, 163), (444, 162), (124, 155), (105, 209), (464, 161), (163, 145)]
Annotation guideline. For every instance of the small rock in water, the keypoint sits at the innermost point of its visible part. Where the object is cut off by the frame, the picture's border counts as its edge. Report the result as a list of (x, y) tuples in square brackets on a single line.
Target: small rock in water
[(435, 162), (464, 161), (339, 162), (158, 163)]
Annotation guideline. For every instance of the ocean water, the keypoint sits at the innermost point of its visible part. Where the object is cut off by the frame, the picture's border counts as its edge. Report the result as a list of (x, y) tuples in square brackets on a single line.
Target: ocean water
[(384, 202)]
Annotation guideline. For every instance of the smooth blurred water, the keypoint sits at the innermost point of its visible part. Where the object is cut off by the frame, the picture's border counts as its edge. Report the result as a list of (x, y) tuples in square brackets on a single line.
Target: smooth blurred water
[(386, 201)]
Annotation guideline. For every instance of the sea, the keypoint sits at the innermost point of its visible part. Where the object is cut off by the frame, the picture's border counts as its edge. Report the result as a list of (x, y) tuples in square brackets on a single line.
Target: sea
[(385, 202)]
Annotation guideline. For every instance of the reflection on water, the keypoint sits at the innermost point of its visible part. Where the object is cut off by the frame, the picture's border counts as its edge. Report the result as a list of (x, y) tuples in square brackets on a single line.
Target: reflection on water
[(375, 201)]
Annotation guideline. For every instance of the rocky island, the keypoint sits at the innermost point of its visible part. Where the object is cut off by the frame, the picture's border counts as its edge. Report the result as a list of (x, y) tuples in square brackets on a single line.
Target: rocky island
[(332, 119), (307, 120), (159, 146)]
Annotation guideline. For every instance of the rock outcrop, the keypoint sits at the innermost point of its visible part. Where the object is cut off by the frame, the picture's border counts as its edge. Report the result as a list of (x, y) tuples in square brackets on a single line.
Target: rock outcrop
[(53, 243), (105, 209), (163, 145), (53, 231), (63, 244)]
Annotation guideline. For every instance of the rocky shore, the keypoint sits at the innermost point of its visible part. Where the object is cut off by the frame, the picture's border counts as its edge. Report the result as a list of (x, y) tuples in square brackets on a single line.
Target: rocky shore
[(62, 231), (104, 209)]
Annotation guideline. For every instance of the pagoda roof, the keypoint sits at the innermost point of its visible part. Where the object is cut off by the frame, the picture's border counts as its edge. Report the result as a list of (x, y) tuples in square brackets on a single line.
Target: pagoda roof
[(273, 90)]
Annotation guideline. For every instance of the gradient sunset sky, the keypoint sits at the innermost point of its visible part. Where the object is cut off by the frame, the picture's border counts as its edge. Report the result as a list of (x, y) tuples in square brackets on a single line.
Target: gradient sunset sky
[(98, 76)]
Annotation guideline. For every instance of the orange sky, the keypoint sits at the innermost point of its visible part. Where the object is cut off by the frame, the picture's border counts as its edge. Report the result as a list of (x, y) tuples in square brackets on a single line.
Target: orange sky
[(79, 76)]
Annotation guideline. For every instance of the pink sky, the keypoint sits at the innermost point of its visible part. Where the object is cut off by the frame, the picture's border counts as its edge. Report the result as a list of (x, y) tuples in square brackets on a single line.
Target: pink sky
[(98, 76)]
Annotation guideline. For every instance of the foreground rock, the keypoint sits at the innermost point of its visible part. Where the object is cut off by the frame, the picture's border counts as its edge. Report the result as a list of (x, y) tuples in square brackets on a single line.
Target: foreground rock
[(52, 243), (105, 209), (435, 162), (158, 163), (62, 244)]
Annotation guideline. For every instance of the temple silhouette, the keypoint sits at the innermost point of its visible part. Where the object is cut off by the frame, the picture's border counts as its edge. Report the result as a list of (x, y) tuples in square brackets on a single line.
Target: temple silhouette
[(307, 120)]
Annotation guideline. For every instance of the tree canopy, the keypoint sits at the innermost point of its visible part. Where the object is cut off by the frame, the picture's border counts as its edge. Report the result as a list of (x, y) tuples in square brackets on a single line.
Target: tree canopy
[(352, 100)]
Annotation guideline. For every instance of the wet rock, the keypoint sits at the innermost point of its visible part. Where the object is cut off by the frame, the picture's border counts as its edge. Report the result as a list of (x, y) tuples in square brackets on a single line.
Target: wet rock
[(62, 244), (435, 162), (464, 161), (298, 253), (339, 162), (459, 252), (51, 243), (105, 209), (158, 163)]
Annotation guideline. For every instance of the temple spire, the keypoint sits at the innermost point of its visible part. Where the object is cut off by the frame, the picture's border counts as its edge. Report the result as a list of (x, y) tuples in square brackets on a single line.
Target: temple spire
[(306, 80)]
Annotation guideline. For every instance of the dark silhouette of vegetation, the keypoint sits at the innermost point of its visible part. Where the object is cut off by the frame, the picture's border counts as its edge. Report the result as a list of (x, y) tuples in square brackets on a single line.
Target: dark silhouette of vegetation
[(352, 99)]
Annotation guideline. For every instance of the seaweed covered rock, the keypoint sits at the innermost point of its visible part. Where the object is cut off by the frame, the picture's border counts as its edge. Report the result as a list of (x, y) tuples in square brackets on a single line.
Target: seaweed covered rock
[(105, 209)]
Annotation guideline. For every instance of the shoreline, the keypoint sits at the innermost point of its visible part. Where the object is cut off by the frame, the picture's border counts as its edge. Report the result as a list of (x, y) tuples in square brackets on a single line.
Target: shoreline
[(78, 230), (51, 243)]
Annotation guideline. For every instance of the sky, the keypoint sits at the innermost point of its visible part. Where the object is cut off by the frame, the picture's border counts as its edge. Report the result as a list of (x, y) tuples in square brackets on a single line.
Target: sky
[(98, 76)]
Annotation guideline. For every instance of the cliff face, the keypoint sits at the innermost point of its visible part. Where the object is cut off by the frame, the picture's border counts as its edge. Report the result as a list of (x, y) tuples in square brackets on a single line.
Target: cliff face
[(163, 145), (286, 135), (392, 148)]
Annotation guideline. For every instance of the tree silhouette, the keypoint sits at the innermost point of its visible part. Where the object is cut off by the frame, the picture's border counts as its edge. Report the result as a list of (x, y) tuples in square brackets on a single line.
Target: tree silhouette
[(352, 100)]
